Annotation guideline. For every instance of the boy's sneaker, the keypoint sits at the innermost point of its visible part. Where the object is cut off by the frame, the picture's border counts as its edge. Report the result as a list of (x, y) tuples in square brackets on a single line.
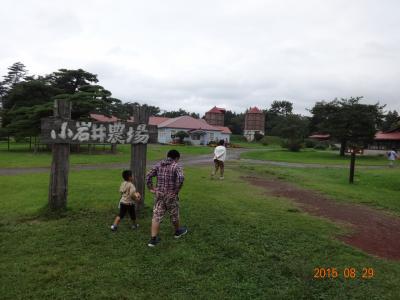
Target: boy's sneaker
[(113, 227), (135, 226), (221, 178), (154, 241), (180, 232)]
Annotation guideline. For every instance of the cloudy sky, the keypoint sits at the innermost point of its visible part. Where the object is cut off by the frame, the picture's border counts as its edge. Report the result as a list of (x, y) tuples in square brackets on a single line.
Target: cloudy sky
[(197, 54)]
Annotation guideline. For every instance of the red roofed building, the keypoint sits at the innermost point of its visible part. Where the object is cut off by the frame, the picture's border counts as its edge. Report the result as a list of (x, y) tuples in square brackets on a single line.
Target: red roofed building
[(254, 122), (215, 116), (386, 140), (200, 132), (320, 137), (103, 118), (157, 120)]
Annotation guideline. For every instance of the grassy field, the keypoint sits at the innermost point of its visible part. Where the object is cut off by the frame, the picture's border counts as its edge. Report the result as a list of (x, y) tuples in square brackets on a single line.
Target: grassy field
[(313, 156), (20, 157), (241, 245)]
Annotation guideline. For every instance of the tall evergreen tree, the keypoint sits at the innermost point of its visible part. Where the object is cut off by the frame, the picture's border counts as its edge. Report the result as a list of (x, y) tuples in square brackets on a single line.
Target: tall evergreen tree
[(16, 73), (276, 115), (390, 121), (70, 81), (26, 102)]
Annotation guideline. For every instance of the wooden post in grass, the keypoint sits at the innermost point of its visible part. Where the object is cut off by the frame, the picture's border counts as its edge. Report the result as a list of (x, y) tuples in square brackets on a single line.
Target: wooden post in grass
[(352, 165), (139, 153), (58, 187)]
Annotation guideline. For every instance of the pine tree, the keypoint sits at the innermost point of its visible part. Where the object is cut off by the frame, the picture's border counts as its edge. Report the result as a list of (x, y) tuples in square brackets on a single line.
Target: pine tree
[(16, 73)]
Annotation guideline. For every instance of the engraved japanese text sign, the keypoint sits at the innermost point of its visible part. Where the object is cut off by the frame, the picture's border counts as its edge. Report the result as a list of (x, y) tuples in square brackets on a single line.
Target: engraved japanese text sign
[(55, 131)]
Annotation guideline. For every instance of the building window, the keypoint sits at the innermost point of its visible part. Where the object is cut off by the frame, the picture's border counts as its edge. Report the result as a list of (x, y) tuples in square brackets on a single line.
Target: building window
[(173, 133), (211, 136)]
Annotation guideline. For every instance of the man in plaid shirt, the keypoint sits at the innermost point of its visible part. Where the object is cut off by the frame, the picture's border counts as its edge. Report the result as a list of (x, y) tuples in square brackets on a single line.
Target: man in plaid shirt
[(169, 182)]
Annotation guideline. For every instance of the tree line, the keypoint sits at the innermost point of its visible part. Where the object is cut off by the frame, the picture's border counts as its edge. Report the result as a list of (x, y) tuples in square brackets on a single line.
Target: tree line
[(26, 99)]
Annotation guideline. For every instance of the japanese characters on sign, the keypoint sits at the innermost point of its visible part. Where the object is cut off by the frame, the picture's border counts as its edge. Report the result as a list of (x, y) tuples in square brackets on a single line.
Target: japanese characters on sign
[(76, 132)]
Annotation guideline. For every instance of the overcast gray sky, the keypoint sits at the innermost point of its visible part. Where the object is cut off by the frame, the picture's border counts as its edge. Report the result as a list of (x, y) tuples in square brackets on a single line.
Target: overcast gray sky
[(197, 54)]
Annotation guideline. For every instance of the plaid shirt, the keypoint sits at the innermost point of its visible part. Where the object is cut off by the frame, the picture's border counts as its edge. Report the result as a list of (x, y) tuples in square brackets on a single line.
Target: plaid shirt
[(169, 177)]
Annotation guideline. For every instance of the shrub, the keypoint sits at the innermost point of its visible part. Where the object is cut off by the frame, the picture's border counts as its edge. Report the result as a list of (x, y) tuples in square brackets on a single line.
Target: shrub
[(234, 145), (321, 146), (265, 141), (238, 138), (258, 136), (334, 147), (292, 145), (21, 139), (271, 140), (309, 143), (181, 135)]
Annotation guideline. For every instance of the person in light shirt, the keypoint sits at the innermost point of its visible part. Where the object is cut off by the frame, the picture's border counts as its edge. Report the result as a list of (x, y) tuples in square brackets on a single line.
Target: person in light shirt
[(219, 159), (392, 156)]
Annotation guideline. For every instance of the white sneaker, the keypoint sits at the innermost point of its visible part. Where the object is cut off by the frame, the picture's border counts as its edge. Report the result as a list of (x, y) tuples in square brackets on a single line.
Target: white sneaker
[(221, 178), (113, 227)]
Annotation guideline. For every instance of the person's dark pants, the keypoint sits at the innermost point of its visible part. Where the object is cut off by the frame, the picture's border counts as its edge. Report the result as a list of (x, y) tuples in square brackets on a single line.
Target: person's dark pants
[(219, 164), (123, 208)]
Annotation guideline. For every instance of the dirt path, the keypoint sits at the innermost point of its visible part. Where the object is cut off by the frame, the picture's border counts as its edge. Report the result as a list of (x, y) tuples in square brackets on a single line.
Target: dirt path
[(373, 231), (233, 154)]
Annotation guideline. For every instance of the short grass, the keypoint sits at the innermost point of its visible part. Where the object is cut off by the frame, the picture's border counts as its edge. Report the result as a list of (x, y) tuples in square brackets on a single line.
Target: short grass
[(241, 245), (314, 157), (20, 157), (375, 187)]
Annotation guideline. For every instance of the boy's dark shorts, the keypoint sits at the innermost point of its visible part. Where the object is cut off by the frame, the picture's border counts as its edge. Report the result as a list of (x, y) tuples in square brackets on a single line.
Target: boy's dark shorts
[(123, 208), (166, 203), (218, 163)]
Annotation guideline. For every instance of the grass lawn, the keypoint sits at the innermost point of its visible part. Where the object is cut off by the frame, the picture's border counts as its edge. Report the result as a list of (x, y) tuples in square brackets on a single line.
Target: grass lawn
[(20, 157), (241, 245), (375, 187), (313, 157)]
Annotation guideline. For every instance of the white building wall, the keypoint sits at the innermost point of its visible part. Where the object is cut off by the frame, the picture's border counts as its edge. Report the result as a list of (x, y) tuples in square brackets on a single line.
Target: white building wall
[(164, 136), (226, 136), (249, 134)]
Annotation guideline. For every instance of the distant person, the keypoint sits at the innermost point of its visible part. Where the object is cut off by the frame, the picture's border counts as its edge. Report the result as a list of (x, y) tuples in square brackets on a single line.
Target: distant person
[(169, 182), (219, 159), (392, 156), (127, 202)]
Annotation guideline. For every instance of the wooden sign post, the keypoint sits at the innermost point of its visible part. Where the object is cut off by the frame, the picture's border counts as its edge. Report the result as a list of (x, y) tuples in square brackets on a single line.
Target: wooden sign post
[(138, 155), (61, 131), (58, 187), (352, 166), (353, 151)]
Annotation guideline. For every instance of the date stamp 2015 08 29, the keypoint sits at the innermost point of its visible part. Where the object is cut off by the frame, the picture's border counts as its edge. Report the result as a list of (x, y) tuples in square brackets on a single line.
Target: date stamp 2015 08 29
[(347, 273)]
